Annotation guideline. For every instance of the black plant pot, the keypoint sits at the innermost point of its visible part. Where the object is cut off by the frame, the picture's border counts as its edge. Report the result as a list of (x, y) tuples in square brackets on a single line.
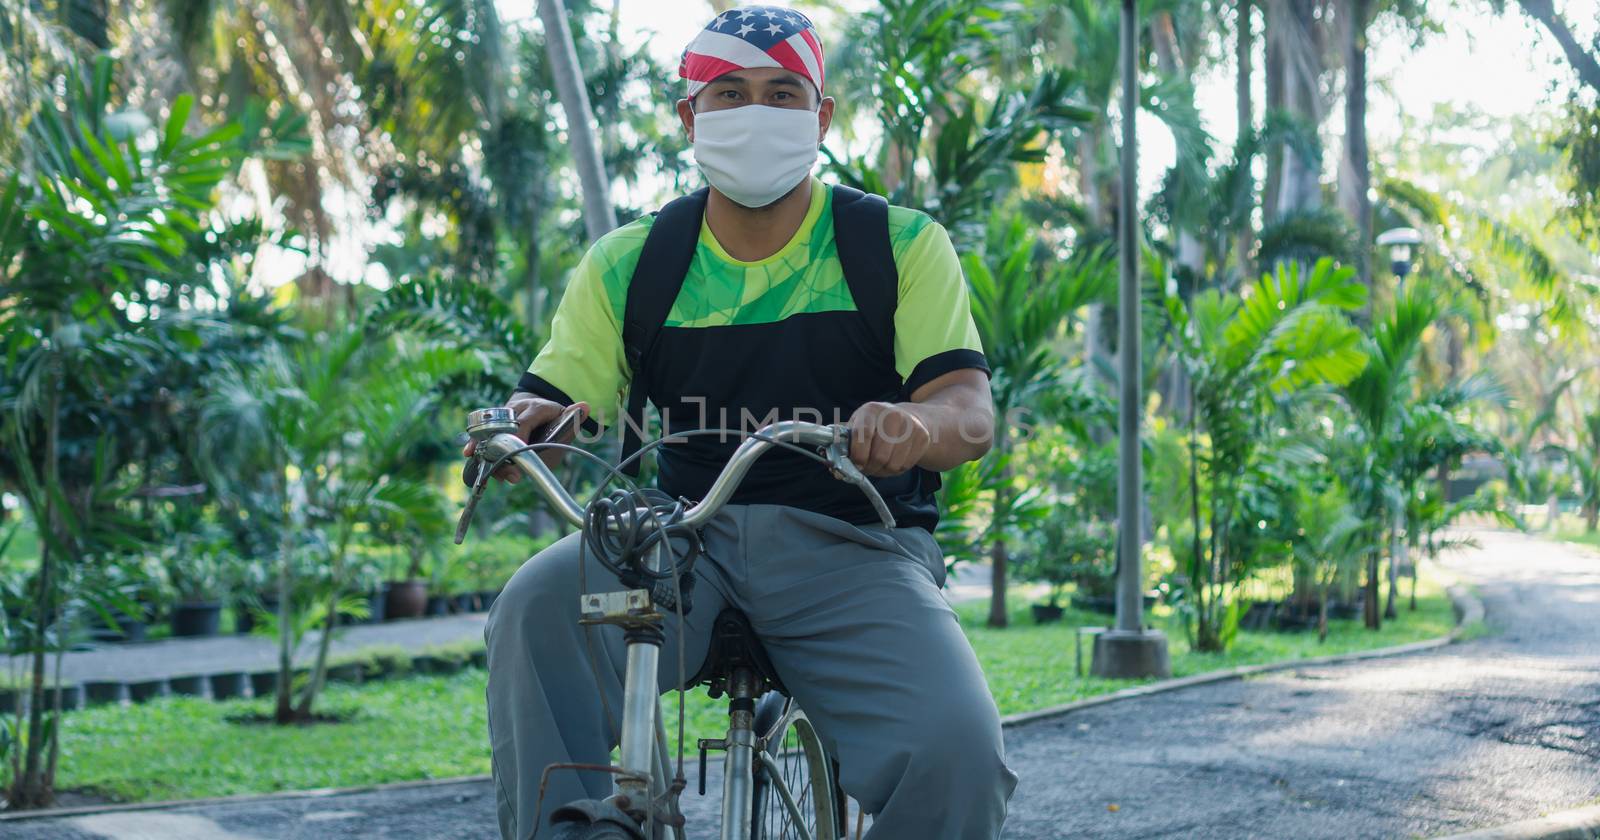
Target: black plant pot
[(431, 664), (100, 692), (349, 672), (486, 598), (228, 686), (197, 619), (377, 605), (139, 692), (1046, 613), (1343, 610), (264, 683), (439, 604), (406, 598), (466, 602), (190, 686), (245, 615), (126, 630), (1104, 604)]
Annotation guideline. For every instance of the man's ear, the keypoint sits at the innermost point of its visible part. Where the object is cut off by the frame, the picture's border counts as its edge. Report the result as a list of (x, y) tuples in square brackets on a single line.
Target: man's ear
[(824, 117), (686, 116)]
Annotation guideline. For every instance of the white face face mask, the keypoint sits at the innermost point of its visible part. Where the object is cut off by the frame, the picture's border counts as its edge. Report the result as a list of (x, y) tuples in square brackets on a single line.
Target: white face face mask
[(756, 154)]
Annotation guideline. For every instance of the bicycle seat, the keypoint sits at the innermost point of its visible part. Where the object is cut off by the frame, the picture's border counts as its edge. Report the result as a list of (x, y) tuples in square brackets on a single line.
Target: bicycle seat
[(734, 645)]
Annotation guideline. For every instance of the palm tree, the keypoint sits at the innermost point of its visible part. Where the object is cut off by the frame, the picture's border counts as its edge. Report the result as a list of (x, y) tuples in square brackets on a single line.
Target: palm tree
[(1245, 354), (1022, 301), (330, 420), (598, 216), (1380, 400), (378, 82)]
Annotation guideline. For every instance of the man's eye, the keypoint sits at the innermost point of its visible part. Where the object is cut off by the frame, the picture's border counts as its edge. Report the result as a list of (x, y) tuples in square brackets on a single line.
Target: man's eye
[(782, 96), (730, 94)]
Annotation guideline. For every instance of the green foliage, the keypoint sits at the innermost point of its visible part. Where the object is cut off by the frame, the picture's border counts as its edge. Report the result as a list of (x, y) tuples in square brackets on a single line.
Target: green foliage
[(1248, 355)]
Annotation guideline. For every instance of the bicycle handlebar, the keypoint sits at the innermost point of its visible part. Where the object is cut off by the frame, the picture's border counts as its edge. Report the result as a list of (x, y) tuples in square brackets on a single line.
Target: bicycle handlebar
[(495, 431)]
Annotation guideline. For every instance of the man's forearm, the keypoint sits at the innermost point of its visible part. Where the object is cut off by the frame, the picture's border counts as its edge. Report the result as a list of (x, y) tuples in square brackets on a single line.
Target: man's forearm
[(959, 414)]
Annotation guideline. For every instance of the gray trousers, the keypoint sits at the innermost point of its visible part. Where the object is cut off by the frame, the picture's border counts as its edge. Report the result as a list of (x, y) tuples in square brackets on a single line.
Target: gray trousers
[(854, 623)]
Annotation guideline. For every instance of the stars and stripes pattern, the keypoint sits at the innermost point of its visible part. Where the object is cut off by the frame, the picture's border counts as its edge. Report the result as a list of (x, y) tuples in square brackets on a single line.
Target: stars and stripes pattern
[(753, 36)]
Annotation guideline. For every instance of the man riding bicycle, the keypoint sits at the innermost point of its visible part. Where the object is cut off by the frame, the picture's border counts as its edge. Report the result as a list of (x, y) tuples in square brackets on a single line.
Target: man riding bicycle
[(767, 297)]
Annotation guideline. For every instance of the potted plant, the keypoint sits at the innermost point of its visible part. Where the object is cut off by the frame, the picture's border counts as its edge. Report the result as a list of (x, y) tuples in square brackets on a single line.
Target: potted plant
[(406, 593), (201, 571), (1070, 548)]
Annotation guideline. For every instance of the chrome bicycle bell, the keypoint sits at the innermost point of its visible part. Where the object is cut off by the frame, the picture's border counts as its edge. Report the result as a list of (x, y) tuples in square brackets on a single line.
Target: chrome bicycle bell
[(485, 423)]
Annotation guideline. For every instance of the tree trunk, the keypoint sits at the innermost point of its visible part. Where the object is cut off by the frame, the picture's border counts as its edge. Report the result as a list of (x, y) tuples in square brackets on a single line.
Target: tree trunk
[(1322, 613), (1397, 558), (31, 788), (1300, 54), (320, 667), (997, 583), (1355, 176), (1273, 15), (598, 216), (1244, 46), (1591, 517), (1369, 606), (285, 701)]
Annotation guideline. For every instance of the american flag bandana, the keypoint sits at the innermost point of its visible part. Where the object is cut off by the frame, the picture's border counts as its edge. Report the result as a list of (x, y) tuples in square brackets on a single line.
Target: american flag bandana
[(753, 36)]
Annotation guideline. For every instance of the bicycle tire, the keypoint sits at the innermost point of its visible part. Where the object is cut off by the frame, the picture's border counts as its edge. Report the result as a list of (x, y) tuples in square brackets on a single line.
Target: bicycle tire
[(603, 830), (806, 772)]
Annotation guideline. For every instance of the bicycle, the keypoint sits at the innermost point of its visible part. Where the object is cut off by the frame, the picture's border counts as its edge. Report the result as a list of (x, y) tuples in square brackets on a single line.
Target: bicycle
[(778, 780)]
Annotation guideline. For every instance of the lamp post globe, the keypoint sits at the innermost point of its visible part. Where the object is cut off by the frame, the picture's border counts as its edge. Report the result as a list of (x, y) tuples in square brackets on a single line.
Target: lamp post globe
[(1400, 241)]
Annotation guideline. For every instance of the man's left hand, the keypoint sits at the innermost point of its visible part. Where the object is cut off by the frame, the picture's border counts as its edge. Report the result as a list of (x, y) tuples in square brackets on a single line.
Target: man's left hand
[(887, 438)]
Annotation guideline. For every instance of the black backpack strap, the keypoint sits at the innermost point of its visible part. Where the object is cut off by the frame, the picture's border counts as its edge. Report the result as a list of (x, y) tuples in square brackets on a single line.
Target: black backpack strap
[(663, 263), (861, 230)]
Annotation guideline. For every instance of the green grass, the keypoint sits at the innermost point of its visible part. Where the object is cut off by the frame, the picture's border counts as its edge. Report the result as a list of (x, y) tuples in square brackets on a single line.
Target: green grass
[(430, 727)]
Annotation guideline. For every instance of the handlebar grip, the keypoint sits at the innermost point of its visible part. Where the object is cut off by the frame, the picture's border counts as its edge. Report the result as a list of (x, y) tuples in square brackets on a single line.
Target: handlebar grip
[(470, 471)]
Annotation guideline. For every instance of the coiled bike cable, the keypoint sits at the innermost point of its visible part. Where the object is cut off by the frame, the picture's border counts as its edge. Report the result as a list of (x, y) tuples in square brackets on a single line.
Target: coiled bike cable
[(622, 549)]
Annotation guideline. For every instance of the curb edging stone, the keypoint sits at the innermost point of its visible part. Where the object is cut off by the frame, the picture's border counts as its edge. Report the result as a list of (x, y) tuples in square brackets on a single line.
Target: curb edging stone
[(1579, 824)]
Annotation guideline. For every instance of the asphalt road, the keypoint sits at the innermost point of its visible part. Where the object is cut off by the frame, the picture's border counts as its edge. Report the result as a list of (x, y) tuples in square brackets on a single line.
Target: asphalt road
[(1481, 733)]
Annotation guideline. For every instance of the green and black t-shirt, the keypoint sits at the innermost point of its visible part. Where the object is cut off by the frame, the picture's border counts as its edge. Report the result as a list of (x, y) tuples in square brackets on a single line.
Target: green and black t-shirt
[(746, 343)]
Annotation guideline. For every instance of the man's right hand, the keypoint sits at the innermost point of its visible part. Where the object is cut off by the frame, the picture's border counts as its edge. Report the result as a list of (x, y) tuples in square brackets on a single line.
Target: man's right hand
[(534, 416)]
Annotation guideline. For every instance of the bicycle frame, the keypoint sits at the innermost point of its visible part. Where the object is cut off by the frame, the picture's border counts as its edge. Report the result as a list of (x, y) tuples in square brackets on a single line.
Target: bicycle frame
[(494, 430)]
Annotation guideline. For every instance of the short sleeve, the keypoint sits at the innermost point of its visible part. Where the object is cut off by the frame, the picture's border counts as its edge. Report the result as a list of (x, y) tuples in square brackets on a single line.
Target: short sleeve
[(583, 361), (933, 329)]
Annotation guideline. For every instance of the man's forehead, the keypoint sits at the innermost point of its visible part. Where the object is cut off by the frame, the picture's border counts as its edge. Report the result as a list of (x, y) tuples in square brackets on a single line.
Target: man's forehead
[(761, 75)]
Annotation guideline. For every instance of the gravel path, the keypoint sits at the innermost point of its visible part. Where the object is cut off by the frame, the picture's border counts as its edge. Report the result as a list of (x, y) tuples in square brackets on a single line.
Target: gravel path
[(1480, 733)]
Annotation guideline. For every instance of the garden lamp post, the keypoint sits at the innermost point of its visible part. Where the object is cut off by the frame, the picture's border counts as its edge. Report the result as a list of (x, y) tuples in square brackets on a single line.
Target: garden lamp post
[(1129, 650), (1400, 241)]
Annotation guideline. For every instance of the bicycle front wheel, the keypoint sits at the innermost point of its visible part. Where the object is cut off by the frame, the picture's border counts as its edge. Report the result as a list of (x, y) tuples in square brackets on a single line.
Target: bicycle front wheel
[(793, 784)]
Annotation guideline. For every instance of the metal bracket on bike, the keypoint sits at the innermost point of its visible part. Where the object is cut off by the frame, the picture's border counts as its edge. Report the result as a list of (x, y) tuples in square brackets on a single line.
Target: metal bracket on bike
[(844, 469), (666, 807), (629, 609)]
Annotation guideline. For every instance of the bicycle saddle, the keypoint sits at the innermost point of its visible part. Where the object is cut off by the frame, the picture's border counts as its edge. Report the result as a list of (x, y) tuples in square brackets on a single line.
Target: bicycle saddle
[(734, 645)]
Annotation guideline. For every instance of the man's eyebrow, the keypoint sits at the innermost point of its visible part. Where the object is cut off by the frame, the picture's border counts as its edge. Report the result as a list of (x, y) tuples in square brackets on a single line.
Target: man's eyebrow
[(785, 81)]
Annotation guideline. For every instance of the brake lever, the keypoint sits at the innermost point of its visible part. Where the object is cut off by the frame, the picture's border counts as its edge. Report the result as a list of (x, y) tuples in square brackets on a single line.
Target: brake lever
[(475, 473), (479, 479), (844, 469)]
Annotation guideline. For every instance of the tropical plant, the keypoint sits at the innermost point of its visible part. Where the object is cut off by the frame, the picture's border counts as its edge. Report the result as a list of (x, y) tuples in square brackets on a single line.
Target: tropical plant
[(97, 232), (1022, 300), (331, 419), (1247, 356)]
